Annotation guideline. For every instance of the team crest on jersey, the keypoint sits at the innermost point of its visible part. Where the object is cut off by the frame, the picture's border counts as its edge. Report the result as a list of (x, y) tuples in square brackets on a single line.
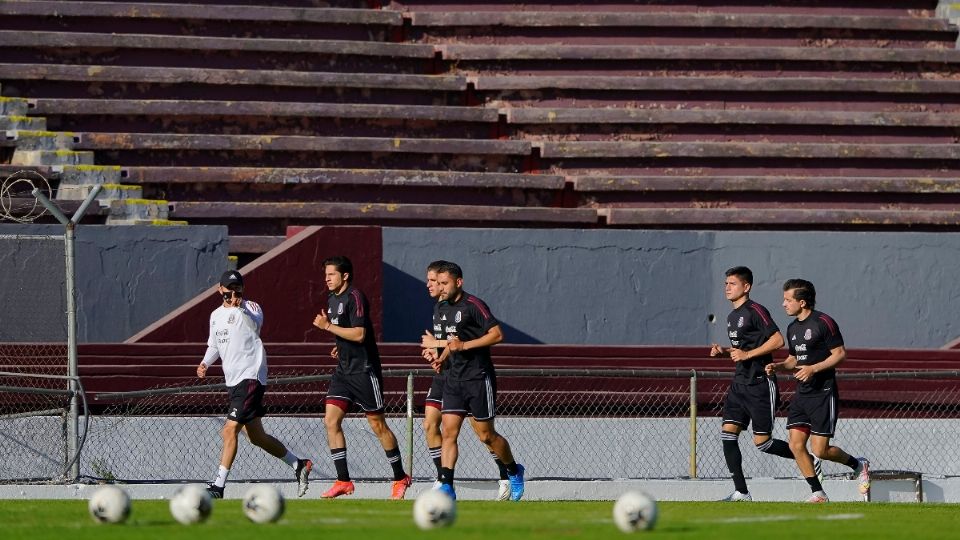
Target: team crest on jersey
[(458, 317), (740, 322), (808, 334), (340, 309), (231, 318)]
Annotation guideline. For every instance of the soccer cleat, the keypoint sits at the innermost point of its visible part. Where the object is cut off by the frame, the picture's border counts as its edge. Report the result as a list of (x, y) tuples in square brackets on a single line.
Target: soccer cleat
[(736, 496), (302, 472), (503, 490), (862, 473), (400, 488), (215, 491), (516, 484), (448, 489), (818, 497), (818, 468), (436, 485), (340, 487)]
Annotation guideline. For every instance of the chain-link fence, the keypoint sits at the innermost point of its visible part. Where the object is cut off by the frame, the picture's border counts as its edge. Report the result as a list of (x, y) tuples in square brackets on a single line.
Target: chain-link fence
[(34, 390), (563, 423)]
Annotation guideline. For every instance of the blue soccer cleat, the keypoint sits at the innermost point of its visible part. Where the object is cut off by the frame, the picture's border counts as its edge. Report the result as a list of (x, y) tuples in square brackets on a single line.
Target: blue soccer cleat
[(448, 489), (516, 484)]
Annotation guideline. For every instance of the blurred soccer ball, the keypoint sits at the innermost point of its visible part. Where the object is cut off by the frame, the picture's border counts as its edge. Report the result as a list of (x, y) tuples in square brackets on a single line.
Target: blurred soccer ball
[(434, 508), (191, 504), (635, 511), (263, 503), (109, 504)]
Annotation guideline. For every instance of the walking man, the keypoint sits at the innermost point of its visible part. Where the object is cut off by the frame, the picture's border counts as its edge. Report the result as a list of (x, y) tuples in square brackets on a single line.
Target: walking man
[(235, 338)]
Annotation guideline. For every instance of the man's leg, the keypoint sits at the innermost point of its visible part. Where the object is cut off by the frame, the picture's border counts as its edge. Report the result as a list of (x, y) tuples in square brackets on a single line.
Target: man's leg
[(390, 446), (487, 433), (821, 447), (229, 433), (798, 445), (301, 467), (333, 421), (450, 426), (431, 429), (729, 437)]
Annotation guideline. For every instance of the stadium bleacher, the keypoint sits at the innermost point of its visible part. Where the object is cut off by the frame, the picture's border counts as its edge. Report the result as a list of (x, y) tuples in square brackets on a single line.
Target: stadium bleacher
[(648, 114)]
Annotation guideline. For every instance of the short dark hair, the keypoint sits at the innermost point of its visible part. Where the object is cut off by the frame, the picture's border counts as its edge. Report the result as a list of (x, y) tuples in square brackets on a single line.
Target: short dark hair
[(451, 268), (341, 263), (741, 272), (436, 265), (802, 290)]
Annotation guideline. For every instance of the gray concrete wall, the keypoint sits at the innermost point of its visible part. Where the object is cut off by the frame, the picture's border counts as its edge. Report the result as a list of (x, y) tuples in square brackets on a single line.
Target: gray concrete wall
[(662, 287), (127, 278)]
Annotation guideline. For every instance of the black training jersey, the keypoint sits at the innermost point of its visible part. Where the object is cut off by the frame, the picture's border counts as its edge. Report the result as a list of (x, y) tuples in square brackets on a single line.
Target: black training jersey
[(469, 318), (749, 327), (351, 310), (439, 333), (810, 341)]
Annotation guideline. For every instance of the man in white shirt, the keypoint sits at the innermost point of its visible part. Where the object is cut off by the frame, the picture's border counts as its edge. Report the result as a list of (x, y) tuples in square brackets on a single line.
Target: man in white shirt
[(235, 337)]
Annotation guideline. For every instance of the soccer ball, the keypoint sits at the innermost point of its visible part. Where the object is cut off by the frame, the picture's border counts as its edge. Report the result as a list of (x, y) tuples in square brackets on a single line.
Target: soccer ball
[(191, 504), (109, 504), (434, 508), (263, 504), (635, 511)]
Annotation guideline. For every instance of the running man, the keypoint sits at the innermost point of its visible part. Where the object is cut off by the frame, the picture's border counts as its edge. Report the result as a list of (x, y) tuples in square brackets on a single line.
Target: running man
[(357, 378), (816, 349), (468, 330), (235, 338), (434, 401), (753, 395)]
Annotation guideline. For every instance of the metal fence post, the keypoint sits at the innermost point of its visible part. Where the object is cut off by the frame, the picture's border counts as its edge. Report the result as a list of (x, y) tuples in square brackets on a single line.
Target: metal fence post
[(693, 423), (410, 424)]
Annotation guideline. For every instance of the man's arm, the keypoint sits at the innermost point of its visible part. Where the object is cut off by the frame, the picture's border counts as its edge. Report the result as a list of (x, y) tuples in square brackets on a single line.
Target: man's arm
[(837, 355), (350, 334), (210, 356), (492, 337), (786, 365), (772, 344)]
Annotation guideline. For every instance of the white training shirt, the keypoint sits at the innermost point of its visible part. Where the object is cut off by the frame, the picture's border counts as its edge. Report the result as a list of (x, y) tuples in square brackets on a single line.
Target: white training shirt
[(235, 337)]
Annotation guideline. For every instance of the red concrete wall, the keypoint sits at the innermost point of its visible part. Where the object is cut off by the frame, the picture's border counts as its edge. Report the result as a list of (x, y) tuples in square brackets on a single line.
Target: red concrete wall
[(288, 284)]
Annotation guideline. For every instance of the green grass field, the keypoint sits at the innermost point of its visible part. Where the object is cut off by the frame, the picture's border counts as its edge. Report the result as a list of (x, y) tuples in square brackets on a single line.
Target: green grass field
[(374, 520)]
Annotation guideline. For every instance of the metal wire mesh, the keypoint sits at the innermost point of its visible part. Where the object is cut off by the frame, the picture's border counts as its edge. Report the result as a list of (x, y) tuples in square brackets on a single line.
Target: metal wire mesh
[(33, 332), (567, 424)]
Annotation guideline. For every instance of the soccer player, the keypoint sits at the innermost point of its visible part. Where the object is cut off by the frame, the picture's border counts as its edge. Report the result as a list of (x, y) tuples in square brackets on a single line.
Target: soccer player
[(816, 349), (434, 401), (357, 378), (235, 338), (468, 330), (753, 395)]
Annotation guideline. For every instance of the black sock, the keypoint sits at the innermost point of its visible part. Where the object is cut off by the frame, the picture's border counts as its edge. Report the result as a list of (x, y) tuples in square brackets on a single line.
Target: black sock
[(814, 484), (435, 456), (339, 456), (852, 462), (731, 452), (511, 468), (393, 456), (776, 447), (504, 474), (446, 475)]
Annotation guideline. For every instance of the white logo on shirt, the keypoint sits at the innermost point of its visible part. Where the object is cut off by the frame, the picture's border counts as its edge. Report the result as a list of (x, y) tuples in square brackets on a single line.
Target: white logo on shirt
[(233, 412), (340, 309), (740, 323), (458, 317), (808, 334), (444, 317)]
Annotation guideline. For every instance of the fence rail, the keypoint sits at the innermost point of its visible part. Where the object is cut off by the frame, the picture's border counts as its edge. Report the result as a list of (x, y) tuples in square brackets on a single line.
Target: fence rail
[(562, 423)]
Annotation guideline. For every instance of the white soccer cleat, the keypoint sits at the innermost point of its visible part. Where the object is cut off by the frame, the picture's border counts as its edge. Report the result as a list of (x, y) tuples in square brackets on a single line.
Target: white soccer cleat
[(818, 497), (862, 474), (503, 490), (736, 496), (436, 485)]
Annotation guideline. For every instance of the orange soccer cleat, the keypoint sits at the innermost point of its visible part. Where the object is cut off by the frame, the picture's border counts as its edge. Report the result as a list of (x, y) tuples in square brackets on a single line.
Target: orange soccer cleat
[(340, 487), (400, 488)]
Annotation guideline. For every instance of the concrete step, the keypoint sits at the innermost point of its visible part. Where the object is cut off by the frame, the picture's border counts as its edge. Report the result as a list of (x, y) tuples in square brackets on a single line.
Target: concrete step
[(14, 106), (18, 122), (51, 157), (108, 193), (42, 140)]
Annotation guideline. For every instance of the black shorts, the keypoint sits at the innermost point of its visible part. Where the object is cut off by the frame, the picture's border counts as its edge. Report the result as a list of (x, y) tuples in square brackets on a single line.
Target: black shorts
[(246, 401), (435, 393), (477, 397), (816, 411), (756, 402), (363, 389)]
